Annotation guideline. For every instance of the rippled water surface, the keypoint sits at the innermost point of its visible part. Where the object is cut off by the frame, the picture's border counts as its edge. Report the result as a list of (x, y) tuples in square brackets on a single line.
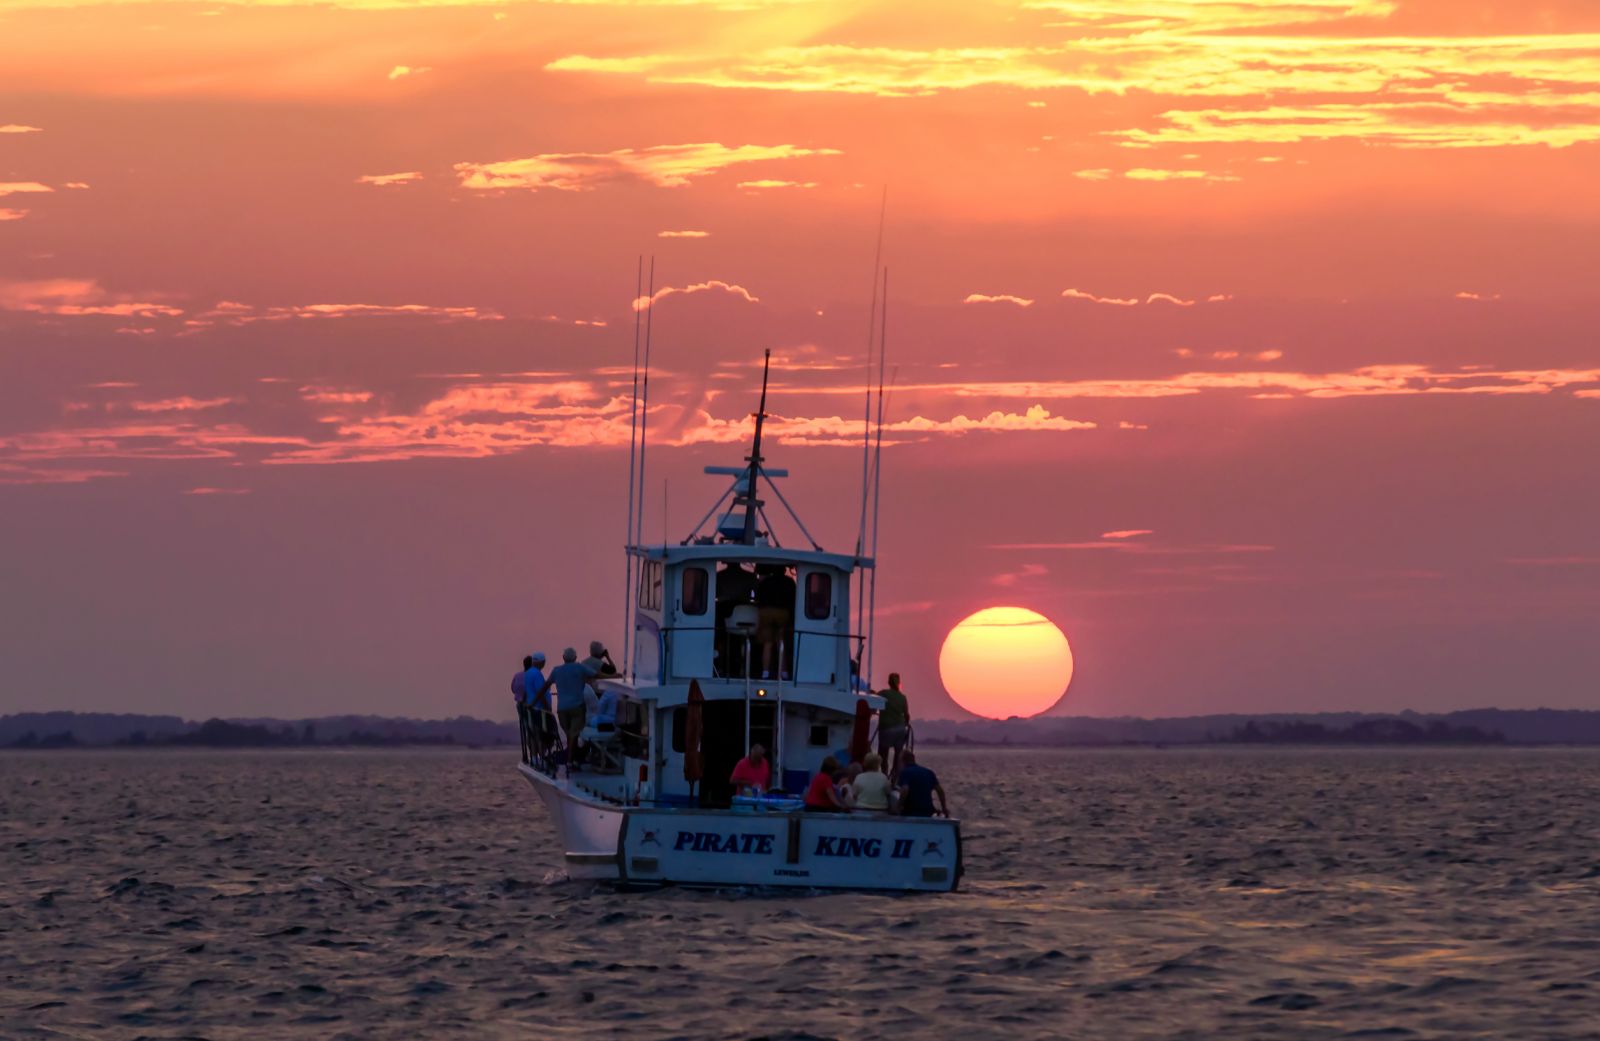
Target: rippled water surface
[(1208, 894)]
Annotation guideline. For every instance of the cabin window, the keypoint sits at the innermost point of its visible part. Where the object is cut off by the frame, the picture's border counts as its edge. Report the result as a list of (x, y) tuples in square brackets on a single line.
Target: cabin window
[(819, 735), (695, 587), (819, 595), (650, 586)]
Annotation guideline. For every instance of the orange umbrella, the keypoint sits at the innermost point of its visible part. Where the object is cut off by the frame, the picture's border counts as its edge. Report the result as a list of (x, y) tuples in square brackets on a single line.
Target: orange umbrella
[(860, 744), (694, 766)]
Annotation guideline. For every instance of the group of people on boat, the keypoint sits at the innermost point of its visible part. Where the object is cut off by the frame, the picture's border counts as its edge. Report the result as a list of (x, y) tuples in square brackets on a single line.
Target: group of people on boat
[(580, 707), (889, 780)]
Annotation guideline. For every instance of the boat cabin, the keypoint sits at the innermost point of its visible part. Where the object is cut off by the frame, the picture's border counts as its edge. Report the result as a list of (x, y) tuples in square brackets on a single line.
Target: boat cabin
[(741, 639)]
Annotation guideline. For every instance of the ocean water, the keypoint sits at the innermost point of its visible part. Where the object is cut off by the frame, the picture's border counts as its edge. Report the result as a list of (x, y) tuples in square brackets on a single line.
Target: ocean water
[(1222, 893)]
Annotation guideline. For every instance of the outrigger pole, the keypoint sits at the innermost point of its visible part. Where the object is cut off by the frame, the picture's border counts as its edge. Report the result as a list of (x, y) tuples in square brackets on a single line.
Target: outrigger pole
[(633, 446), (877, 480), (644, 405)]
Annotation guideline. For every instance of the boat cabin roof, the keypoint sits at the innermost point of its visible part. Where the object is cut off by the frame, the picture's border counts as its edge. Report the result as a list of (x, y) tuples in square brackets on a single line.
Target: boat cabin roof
[(759, 553)]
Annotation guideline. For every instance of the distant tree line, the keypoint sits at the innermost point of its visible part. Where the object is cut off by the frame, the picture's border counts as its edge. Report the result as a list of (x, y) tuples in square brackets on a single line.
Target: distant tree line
[(1364, 732), (220, 733)]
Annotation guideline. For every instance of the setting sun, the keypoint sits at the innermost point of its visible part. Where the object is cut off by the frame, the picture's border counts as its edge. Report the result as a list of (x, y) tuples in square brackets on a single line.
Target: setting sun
[(1006, 661)]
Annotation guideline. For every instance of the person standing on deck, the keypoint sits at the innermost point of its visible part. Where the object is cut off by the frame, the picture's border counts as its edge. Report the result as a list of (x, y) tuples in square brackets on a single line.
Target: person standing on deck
[(570, 679), (541, 723), (775, 593), (917, 787), (894, 726), (519, 698)]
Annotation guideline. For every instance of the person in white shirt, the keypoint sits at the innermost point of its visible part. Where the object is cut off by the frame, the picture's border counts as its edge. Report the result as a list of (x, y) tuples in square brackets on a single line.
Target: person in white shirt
[(871, 787)]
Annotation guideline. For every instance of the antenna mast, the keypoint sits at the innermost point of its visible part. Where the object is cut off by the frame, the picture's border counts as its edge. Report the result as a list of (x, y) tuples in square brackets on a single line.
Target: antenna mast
[(748, 500)]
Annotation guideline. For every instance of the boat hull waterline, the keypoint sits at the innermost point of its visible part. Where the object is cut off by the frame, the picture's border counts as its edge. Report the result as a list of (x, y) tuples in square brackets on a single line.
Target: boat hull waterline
[(692, 846)]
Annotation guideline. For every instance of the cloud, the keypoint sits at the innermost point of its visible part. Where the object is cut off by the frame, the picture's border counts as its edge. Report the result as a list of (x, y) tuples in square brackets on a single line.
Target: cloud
[(1366, 381), (665, 166), (1204, 15), (1153, 298), (1099, 174), (1147, 174), (20, 187), (384, 180), (402, 71), (683, 234), (217, 491), (644, 302), (1126, 533), (1466, 295), (181, 404), (1078, 294), (320, 395), (18, 128), (1011, 578), (76, 297), (232, 312), (1003, 298), (11, 214), (1138, 548), (1325, 77), (1269, 355), (768, 183)]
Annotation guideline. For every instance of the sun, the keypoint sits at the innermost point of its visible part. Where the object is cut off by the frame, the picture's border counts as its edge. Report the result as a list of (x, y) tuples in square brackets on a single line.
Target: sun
[(1006, 661)]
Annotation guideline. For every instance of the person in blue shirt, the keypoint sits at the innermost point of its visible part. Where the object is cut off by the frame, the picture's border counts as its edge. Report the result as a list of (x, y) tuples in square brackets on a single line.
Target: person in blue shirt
[(917, 787), (570, 679), (541, 726)]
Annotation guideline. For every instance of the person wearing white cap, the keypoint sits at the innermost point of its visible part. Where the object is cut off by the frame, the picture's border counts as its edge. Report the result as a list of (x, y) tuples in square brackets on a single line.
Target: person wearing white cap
[(570, 679)]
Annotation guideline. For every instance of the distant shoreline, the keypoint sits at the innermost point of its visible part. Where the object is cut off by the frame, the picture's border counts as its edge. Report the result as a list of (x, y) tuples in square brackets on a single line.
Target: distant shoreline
[(48, 731)]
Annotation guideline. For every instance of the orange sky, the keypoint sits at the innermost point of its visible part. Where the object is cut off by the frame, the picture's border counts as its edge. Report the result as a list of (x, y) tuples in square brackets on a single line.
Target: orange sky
[(314, 317)]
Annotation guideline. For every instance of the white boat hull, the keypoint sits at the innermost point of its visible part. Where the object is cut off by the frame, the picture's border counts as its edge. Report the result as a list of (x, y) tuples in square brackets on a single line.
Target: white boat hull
[(689, 846)]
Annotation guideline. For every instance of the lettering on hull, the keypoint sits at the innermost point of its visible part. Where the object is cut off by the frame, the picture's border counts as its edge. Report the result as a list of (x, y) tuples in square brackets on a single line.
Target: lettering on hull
[(724, 842)]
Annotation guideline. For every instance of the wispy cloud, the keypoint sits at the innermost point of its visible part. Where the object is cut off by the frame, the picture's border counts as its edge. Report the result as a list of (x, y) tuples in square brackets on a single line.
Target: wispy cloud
[(217, 491), (770, 183), (1079, 294), (1003, 298), (181, 404), (1126, 533), (645, 302), (232, 312), (666, 166), (22, 187), (1299, 84), (8, 213), (1144, 173), (400, 72), (19, 128), (76, 297), (385, 180), (1133, 301), (683, 234)]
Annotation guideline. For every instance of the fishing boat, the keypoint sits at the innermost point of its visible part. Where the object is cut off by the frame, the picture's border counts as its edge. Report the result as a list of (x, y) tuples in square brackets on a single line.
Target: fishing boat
[(710, 673)]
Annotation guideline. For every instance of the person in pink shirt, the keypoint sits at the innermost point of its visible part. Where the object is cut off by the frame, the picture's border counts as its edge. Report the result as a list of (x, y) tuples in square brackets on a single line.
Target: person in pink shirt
[(753, 774)]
